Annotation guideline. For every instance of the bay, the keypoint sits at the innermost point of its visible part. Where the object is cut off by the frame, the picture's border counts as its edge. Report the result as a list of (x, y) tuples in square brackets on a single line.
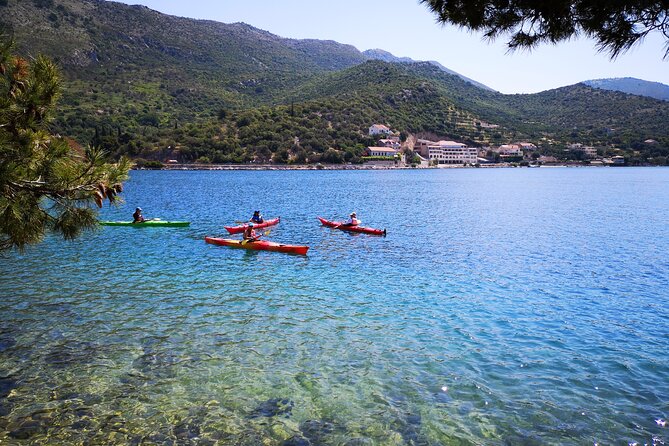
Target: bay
[(505, 306)]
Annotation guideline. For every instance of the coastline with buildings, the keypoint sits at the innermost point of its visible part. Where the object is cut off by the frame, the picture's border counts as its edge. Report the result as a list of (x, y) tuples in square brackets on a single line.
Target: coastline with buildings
[(390, 152)]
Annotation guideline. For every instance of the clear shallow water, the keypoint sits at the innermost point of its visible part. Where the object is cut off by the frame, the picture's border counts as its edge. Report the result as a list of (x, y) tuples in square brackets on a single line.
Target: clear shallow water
[(532, 309)]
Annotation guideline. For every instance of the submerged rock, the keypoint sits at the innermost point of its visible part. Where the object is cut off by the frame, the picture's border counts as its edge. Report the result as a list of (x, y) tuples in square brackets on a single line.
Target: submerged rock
[(5, 409), (316, 430), (6, 342), (72, 353), (158, 365), (7, 383), (273, 407), (187, 430), (409, 429), (358, 441), (296, 441), (158, 438), (26, 430)]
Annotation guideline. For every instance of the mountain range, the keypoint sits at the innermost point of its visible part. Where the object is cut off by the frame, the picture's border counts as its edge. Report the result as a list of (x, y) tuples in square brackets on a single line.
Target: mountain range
[(151, 85)]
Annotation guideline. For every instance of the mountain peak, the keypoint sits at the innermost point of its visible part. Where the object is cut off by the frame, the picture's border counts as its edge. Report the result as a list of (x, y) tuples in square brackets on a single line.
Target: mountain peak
[(631, 85), (379, 54)]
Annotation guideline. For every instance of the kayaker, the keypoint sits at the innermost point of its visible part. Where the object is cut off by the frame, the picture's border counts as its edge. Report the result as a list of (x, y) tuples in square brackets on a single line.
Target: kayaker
[(353, 221), (250, 233), (257, 218), (137, 217)]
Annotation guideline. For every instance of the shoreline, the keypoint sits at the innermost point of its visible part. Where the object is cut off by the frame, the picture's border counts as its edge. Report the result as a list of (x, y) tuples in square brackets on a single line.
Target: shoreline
[(360, 167)]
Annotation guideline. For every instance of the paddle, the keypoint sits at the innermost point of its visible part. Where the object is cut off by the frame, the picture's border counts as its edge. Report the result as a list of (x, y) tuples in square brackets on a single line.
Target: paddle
[(146, 220), (245, 241), (346, 224)]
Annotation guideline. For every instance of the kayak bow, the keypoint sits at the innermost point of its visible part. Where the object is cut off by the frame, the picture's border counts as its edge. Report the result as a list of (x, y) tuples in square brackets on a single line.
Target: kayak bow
[(361, 229), (239, 229), (258, 245)]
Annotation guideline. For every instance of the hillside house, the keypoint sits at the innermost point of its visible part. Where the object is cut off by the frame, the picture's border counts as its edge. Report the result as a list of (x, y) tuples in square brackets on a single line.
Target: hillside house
[(390, 142), (527, 147), (379, 129), (588, 151), (509, 150)]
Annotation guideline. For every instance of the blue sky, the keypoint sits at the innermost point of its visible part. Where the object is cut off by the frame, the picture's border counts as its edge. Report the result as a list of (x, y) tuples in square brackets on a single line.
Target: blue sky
[(407, 28)]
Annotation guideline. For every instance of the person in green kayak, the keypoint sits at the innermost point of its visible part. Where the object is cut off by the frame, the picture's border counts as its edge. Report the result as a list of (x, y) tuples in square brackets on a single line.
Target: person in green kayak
[(137, 217), (250, 234), (353, 221), (257, 218)]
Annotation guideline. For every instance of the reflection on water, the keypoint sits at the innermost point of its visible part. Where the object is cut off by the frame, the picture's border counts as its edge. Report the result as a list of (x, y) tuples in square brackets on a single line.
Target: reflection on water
[(504, 307)]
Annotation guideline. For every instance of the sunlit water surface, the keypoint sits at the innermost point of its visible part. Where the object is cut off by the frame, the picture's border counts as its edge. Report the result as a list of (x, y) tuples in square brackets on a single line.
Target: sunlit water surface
[(507, 306)]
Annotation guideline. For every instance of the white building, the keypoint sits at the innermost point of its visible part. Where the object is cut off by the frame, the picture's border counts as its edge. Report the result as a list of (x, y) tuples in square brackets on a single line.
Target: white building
[(451, 152), (508, 150), (382, 151), (527, 146), (379, 129), (588, 151)]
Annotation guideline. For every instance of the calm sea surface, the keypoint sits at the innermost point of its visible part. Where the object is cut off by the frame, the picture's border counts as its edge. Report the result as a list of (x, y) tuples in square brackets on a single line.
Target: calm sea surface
[(505, 307)]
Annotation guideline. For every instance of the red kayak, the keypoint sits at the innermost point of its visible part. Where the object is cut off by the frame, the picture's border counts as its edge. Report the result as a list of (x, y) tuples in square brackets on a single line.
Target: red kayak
[(258, 245), (343, 227), (239, 229)]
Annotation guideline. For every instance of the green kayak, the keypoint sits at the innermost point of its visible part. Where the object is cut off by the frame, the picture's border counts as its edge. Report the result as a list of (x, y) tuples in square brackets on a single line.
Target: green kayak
[(152, 223)]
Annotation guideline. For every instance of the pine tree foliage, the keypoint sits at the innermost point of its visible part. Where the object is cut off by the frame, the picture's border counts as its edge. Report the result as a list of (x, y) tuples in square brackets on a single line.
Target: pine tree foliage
[(47, 183), (615, 25)]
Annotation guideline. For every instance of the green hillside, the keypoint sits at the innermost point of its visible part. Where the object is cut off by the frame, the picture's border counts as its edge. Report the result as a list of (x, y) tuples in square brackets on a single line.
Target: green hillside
[(154, 86)]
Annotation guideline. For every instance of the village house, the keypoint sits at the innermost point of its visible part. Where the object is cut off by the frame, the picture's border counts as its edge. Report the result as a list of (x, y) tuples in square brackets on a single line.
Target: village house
[(527, 146), (544, 159), (390, 142), (379, 129), (509, 150), (588, 151), (382, 151)]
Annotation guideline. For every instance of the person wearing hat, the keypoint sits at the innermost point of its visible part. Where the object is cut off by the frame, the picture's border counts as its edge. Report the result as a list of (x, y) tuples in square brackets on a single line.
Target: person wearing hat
[(353, 221), (257, 218), (137, 217), (250, 233)]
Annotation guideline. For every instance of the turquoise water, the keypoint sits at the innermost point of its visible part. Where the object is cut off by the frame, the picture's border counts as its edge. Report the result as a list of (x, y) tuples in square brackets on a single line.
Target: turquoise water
[(505, 307)]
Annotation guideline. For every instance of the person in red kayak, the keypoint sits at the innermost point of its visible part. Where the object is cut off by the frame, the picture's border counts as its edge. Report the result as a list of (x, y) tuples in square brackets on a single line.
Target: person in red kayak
[(137, 216), (257, 218), (353, 221), (250, 234)]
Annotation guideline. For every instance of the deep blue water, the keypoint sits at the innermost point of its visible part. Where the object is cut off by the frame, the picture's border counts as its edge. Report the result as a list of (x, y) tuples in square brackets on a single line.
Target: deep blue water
[(505, 306)]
